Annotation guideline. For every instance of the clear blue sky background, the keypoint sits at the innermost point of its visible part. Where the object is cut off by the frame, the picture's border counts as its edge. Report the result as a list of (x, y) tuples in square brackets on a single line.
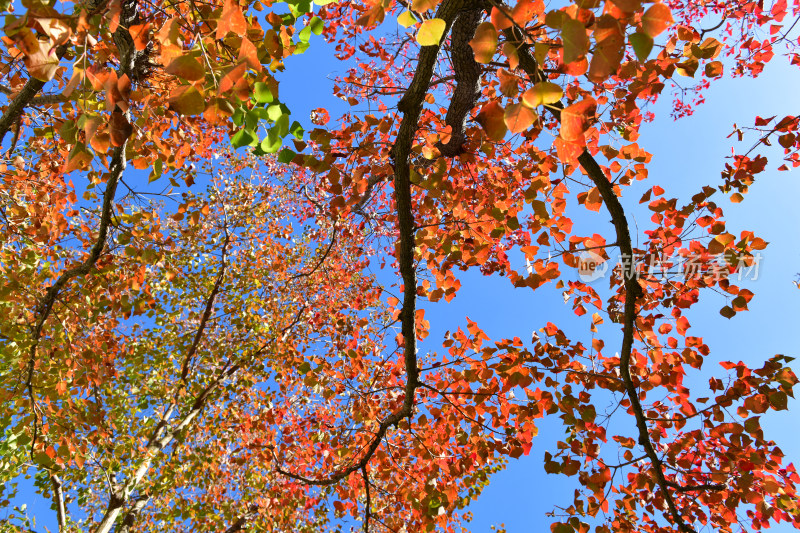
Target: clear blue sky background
[(687, 154)]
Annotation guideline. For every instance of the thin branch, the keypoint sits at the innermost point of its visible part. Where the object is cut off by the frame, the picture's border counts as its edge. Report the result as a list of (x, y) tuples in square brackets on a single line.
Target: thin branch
[(206, 312), (712, 487), (633, 291), (161, 437), (368, 503), (58, 502)]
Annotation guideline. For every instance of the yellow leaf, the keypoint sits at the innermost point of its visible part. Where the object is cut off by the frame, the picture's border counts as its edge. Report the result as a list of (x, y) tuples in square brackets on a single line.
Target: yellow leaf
[(407, 19), (430, 32), (542, 93)]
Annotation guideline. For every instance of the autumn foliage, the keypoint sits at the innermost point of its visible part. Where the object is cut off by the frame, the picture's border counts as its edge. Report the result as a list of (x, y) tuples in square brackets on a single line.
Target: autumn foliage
[(210, 310)]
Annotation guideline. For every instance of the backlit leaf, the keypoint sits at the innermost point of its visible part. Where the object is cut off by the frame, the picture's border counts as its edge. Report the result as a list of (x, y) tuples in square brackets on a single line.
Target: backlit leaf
[(187, 100), (484, 44), (575, 119), (519, 117), (642, 45), (542, 93), (406, 19), (656, 19), (430, 32), (492, 119), (575, 40), (186, 67)]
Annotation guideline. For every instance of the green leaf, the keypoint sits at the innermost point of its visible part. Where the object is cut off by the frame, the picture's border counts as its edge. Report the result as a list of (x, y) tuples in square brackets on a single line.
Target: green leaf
[(299, 7), (305, 34), (251, 120), (243, 137), (69, 131), (297, 130), (272, 142), (576, 42), (317, 25), (282, 125), (158, 169), (238, 116), (262, 93), (274, 112), (642, 45), (286, 156)]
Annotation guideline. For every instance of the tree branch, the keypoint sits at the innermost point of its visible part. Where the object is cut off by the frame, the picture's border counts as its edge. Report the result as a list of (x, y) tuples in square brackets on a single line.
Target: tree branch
[(240, 522), (633, 290), (160, 438), (58, 502), (32, 87), (368, 502), (45, 305), (467, 73), (410, 106)]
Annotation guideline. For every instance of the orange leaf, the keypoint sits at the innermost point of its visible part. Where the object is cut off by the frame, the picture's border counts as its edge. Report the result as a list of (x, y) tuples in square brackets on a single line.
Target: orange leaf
[(628, 6), (249, 55), (509, 83), (43, 64), (519, 118), (484, 44), (527, 10), (656, 19), (492, 120), (231, 20), (119, 128), (714, 69), (230, 79), (140, 33), (575, 119), (186, 67), (608, 52), (501, 20)]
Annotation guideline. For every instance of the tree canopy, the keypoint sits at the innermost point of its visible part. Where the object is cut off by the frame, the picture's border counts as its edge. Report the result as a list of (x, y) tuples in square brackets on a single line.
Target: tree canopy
[(211, 310)]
